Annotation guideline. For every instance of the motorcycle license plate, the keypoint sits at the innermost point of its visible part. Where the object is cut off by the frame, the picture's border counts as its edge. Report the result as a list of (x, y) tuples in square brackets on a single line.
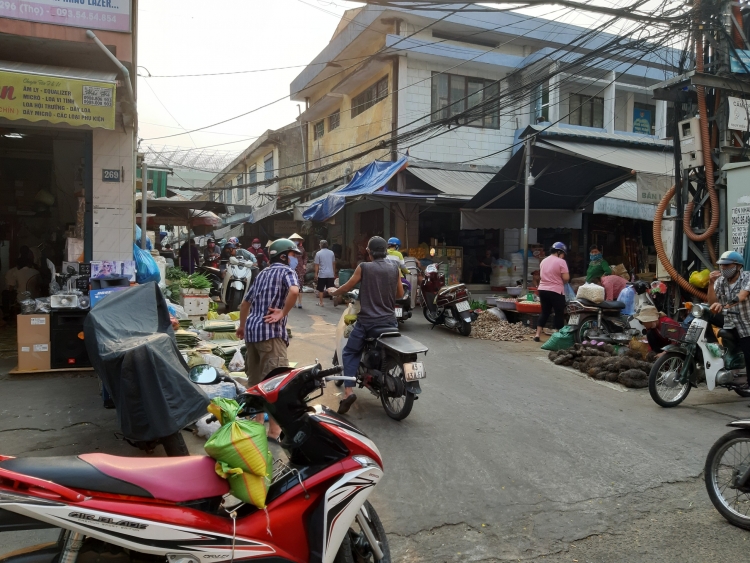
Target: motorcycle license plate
[(573, 320), (463, 306), (399, 312), (414, 371)]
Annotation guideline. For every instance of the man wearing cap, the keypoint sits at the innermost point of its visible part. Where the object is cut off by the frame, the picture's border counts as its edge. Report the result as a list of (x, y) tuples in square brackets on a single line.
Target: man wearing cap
[(381, 286), (650, 318), (730, 287)]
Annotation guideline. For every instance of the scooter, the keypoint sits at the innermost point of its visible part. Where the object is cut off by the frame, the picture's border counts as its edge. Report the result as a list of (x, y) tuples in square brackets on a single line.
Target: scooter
[(238, 277), (727, 474), (697, 355), (388, 367), (130, 510), (443, 305), (403, 305)]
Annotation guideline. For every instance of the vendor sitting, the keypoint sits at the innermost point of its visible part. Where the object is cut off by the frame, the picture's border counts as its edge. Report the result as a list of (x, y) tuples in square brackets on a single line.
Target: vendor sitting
[(612, 285), (598, 266), (650, 318)]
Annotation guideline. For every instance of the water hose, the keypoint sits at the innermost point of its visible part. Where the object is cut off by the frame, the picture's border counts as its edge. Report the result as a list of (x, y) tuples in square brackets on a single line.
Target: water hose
[(661, 253)]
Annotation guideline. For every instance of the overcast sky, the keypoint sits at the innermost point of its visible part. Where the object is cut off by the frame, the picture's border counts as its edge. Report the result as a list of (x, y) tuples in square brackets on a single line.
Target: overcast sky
[(195, 37)]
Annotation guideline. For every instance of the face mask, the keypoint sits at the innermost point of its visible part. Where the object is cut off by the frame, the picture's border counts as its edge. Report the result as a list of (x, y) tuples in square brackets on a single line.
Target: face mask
[(728, 273), (256, 245), (595, 257)]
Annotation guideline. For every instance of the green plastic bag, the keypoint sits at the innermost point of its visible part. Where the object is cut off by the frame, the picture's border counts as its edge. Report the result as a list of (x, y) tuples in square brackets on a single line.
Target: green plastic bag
[(561, 340)]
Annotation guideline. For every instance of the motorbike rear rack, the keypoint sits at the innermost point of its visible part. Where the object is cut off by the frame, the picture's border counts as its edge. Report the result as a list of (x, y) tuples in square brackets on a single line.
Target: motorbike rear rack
[(34, 486)]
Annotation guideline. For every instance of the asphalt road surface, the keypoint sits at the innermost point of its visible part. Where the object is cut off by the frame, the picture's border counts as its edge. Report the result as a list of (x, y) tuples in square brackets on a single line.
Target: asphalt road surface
[(505, 457)]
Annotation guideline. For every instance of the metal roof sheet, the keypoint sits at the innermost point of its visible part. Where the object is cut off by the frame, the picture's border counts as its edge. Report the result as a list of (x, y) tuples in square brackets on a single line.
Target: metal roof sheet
[(659, 162), (453, 182)]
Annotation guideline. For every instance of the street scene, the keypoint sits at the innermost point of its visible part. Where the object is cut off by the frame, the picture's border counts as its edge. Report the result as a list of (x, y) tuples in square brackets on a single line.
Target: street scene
[(431, 282)]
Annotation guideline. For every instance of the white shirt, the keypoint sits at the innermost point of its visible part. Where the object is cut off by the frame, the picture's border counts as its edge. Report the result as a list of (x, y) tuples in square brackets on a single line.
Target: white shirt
[(325, 258)]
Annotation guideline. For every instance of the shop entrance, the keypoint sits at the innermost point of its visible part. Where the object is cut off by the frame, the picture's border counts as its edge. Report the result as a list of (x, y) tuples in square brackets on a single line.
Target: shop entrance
[(45, 185)]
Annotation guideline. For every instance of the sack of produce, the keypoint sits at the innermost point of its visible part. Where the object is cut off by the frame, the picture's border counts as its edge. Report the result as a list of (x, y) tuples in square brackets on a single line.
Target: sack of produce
[(622, 271), (240, 448), (592, 292), (561, 340), (700, 279)]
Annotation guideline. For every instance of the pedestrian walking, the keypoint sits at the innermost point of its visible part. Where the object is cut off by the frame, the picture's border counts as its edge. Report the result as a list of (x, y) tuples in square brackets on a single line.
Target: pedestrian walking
[(325, 270), (554, 275), (263, 315)]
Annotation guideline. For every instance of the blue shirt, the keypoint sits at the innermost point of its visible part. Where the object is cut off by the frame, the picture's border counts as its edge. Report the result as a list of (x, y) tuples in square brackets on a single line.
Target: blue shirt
[(269, 291)]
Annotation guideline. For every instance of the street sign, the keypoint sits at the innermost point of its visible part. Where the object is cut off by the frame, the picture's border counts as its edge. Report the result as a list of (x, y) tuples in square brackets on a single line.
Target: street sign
[(739, 110), (740, 220)]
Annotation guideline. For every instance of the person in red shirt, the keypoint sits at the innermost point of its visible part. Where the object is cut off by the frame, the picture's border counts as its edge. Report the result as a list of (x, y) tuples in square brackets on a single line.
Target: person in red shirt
[(259, 254), (612, 285)]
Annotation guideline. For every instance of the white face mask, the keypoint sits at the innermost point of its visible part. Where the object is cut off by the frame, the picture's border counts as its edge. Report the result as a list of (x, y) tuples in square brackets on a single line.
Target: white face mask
[(256, 245)]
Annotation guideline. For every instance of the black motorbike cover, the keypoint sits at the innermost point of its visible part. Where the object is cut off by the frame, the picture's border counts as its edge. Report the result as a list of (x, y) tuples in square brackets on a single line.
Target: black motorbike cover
[(132, 347)]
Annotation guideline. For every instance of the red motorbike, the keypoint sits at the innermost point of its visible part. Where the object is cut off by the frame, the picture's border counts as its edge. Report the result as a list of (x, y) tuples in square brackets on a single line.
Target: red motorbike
[(134, 510), (449, 306)]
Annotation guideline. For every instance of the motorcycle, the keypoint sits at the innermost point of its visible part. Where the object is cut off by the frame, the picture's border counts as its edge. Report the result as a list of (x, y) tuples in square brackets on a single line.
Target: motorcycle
[(403, 305), (443, 305), (238, 277), (130, 510), (388, 367), (213, 274), (727, 474), (697, 355)]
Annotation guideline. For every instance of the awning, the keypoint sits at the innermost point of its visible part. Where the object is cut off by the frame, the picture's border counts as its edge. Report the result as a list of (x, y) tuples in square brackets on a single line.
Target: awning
[(453, 182), (367, 180), (622, 202), (196, 205), (513, 219), (263, 211)]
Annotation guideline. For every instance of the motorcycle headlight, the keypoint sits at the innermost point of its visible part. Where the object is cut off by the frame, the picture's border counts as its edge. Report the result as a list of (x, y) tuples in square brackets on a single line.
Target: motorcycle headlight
[(697, 311), (365, 461), (272, 384)]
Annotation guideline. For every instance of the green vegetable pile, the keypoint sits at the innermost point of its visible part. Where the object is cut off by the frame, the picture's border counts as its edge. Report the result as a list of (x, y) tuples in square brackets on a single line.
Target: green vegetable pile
[(195, 281), (478, 305), (176, 274)]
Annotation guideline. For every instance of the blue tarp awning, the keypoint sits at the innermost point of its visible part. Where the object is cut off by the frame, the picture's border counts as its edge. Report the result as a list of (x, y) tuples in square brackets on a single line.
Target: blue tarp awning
[(367, 180)]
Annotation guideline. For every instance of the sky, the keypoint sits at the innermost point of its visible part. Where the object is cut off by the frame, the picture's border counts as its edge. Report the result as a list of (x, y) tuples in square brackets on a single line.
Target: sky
[(199, 37)]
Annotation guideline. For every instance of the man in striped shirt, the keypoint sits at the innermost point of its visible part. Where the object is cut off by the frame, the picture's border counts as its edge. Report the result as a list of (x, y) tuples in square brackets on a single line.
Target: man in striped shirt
[(263, 316)]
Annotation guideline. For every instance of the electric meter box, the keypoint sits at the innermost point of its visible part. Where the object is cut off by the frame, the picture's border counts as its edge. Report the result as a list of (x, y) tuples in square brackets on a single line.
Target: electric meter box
[(690, 143)]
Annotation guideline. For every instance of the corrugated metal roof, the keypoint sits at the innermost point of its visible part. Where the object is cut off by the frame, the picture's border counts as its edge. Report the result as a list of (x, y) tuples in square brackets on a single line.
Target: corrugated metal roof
[(453, 182), (627, 192), (659, 162)]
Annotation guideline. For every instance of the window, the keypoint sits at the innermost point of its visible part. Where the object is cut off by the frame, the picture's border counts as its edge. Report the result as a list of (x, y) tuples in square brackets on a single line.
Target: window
[(318, 130), (453, 94), (240, 191), (334, 120), (268, 167), (370, 97), (228, 196), (585, 110), (252, 178)]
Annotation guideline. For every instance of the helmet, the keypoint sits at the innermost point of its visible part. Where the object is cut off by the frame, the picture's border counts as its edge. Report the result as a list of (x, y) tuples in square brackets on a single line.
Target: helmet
[(641, 287), (731, 257), (210, 240), (560, 246), (393, 241), (377, 244), (280, 247), (235, 241)]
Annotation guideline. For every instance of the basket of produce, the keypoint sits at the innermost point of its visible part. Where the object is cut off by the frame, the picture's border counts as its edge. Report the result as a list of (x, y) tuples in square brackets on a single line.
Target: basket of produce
[(506, 303), (528, 307)]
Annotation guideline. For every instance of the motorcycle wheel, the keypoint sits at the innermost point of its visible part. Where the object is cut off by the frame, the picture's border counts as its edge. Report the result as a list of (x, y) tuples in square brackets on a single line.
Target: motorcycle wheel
[(335, 362), (234, 301), (464, 329), (723, 465), (742, 392), (586, 324), (356, 549), (397, 408), (662, 372), (429, 315), (174, 445)]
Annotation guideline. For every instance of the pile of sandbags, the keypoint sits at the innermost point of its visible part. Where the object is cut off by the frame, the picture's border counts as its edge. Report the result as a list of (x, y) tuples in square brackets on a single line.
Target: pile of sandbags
[(623, 365)]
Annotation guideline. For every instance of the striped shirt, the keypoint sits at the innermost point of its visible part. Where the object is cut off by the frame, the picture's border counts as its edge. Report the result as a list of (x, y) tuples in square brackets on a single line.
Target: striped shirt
[(726, 293), (269, 291)]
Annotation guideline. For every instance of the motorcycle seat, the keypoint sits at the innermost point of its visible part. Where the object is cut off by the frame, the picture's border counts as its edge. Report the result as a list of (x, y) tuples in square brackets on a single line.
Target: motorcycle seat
[(727, 336), (612, 305), (173, 479), (376, 332)]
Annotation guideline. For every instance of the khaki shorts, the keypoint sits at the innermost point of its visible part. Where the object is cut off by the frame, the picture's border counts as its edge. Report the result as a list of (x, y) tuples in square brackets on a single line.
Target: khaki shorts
[(263, 357)]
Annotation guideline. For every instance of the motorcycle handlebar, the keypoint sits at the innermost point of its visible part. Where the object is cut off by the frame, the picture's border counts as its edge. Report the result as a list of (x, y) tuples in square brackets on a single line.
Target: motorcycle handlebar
[(335, 370)]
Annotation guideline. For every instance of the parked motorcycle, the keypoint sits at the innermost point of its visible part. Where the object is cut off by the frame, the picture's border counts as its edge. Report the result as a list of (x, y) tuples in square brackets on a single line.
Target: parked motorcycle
[(238, 277), (403, 305), (443, 305), (131, 510), (727, 474), (388, 368), (698, 355)]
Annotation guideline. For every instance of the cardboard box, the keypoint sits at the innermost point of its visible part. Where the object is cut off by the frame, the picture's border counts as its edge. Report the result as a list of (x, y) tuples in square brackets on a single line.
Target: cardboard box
[(33, 329), (34, 357)]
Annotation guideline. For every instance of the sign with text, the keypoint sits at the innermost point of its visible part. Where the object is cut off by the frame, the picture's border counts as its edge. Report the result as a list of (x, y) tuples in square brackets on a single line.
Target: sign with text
[(642, 121), (57, 99), (284, 228), (738, 234), (110, 15), (652, 187), (739, 113)]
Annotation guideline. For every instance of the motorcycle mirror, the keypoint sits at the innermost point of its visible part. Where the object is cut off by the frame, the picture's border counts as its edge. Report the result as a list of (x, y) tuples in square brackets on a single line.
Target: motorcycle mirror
[(204, 374)]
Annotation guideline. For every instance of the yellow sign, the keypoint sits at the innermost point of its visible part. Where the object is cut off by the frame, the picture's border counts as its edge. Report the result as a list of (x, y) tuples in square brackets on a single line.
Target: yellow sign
[(57, 99)]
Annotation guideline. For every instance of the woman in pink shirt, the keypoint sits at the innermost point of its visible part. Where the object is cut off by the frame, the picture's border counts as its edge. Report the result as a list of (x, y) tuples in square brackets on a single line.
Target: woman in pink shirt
[(554, 276)]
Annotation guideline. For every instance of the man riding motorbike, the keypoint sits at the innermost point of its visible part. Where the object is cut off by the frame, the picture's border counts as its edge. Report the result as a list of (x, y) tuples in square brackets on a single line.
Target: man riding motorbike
[(240, 253), (395, 255), (211, 254), (377, 300)]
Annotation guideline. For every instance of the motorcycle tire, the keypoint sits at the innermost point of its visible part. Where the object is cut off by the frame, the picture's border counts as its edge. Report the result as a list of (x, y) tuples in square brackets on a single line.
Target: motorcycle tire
[(464, 329), (397, 408), (714, 462), (430, 316), (742, 392), (174, 445), (234, 300), (354, 548), (585, 324), (657, 390)]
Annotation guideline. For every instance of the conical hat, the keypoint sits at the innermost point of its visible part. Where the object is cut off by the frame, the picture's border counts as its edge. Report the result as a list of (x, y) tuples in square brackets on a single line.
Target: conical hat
[(295, 236)]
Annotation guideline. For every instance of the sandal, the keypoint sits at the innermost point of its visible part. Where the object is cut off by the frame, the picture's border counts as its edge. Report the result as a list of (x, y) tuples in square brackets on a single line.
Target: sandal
[(536, 339)]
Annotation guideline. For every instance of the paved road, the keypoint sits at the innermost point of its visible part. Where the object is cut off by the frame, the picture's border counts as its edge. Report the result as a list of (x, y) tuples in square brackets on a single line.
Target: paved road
[(504, 457)]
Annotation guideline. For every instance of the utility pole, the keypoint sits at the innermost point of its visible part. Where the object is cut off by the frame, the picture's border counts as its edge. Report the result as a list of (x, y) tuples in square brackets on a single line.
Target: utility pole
[(528, 182), (144, 204)]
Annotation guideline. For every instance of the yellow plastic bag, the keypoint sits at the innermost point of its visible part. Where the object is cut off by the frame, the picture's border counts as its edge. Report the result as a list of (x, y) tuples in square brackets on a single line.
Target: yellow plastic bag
[(700, 279)]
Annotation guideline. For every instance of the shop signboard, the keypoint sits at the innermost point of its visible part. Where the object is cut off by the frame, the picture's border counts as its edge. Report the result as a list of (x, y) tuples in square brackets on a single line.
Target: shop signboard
[(57, 99), (109, 15), (738, 234), (652, 187), (284, 228), (739, 114)]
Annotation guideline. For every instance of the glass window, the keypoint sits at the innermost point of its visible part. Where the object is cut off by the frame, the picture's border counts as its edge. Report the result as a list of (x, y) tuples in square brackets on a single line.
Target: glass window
[(370, 97), (334, 120), (458, 94), (453, 94), (229, 196), (252, 175), (318, 130), (268, 167), (586, 111), (439, 96)]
